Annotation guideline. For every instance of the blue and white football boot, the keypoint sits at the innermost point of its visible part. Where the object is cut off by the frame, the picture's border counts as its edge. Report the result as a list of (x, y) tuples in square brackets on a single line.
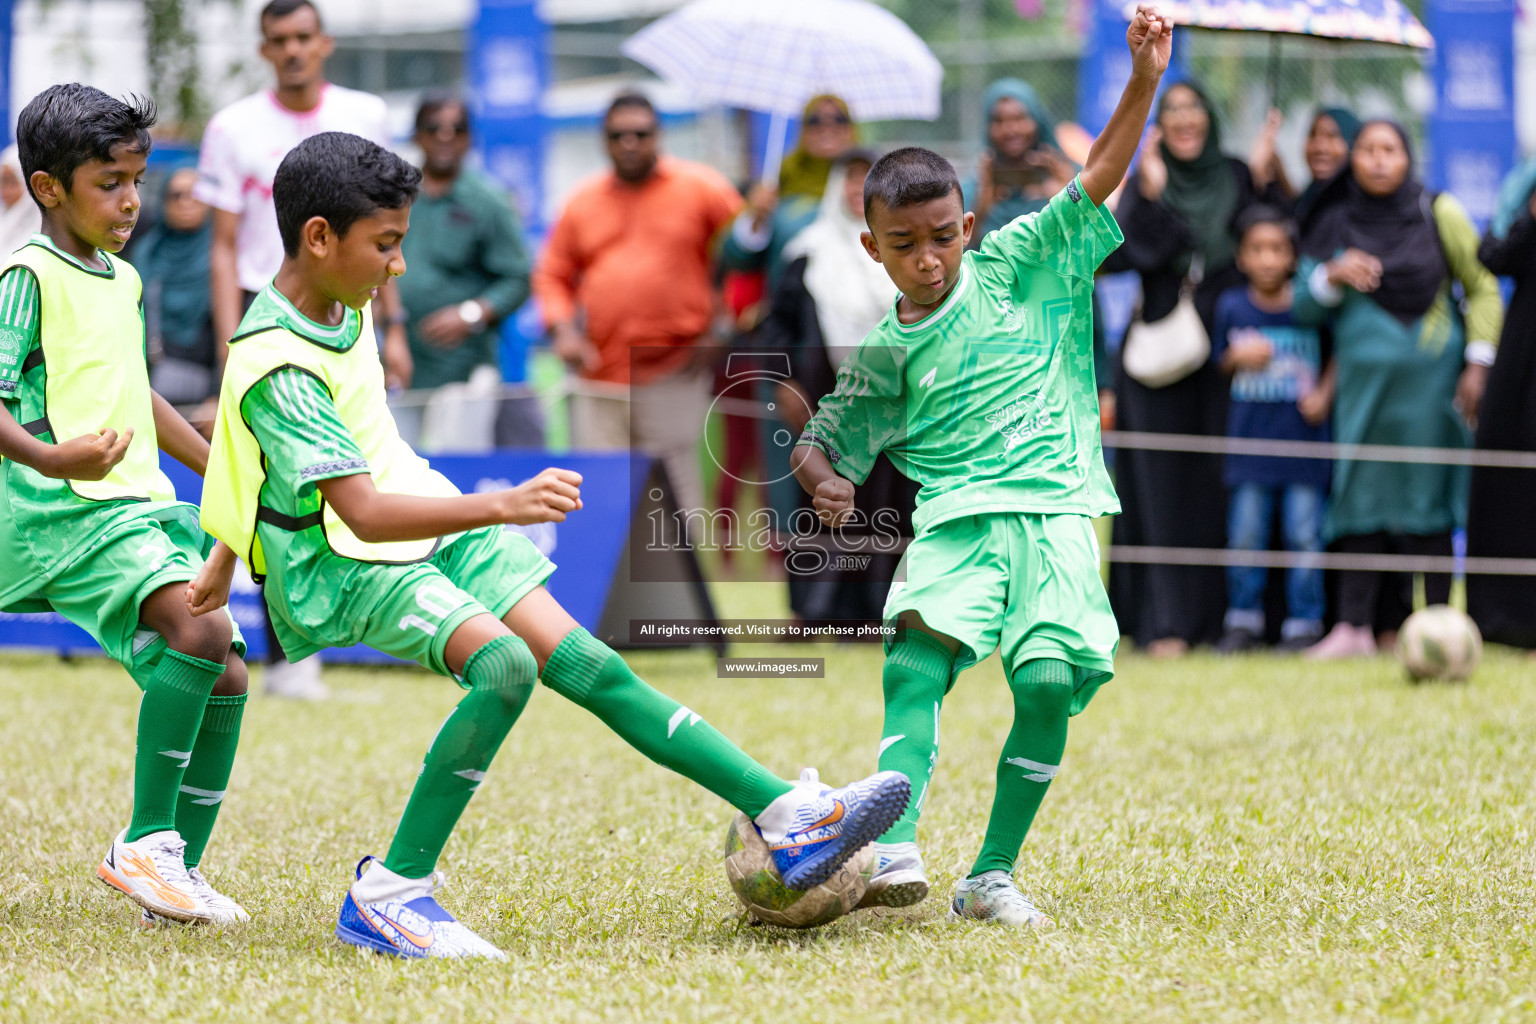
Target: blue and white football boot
[(813, 829), (387, 913)]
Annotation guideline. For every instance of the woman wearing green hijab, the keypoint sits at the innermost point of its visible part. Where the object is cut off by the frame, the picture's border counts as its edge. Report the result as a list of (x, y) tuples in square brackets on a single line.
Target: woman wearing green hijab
[(1022, 167), (1329, 139), (1177, 216)]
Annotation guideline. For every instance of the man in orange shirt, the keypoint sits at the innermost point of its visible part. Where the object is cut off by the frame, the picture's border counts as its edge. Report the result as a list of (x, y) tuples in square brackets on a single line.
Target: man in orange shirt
[(626, 287)]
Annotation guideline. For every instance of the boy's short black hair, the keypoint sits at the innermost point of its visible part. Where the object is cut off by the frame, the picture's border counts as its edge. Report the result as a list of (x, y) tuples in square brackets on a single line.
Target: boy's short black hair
[(629, 98), (68, 125), (907, 176), (342, 178), (1262, 213), (283, 8)]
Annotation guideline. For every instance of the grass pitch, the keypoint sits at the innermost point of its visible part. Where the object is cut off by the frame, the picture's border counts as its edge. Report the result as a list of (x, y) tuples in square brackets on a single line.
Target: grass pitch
[(1230, 840)]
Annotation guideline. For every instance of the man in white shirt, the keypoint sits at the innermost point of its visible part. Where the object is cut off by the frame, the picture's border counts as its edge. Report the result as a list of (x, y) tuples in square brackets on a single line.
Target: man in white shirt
[(242, 147)]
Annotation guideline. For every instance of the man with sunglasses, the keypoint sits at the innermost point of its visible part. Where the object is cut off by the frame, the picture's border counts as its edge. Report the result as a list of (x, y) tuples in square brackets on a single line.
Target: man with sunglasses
[(625, 284), (241, 149), (468, 272)]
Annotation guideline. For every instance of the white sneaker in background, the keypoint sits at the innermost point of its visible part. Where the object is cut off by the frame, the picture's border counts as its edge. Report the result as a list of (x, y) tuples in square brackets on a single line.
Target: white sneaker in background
[(295, 680)]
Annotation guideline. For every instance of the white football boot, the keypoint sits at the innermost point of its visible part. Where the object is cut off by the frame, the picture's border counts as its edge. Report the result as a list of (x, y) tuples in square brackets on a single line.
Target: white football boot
[(223, 909), (896, 877), (992, 897), (150, 871)]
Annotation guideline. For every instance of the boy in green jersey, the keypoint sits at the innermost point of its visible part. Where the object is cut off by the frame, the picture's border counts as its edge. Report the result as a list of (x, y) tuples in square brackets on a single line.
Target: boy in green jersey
[(89, 525), (361, 541), (979, 385)]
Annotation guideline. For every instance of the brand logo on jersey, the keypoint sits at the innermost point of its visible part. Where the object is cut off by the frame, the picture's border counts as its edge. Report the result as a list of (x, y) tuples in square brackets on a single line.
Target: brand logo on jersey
[(1019, 421), (929, 377), (1073, 192), (1013, 320)]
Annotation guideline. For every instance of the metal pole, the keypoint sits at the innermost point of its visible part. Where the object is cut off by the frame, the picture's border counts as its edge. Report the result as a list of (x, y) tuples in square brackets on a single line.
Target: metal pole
[(972, 120)]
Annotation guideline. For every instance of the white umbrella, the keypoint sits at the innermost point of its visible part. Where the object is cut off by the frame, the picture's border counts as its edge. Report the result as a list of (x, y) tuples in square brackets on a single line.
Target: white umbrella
[(774, 55)]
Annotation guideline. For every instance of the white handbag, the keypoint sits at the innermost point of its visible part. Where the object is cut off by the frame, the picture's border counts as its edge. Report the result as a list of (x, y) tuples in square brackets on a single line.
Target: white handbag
[(1168, 350)]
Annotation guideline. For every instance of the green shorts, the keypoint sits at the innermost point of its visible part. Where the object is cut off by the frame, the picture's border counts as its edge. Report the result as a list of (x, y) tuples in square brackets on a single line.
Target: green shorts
[(1026, 583), (415, 608), (101, 591)]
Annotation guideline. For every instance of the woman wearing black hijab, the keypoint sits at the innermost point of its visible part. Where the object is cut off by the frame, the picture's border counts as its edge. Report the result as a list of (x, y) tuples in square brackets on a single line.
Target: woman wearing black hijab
[(1499, 517), (1177, 217), (1410, 370)]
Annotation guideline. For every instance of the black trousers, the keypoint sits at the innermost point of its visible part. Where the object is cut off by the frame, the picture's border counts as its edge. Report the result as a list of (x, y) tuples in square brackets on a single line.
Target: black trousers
[(1382, 600)]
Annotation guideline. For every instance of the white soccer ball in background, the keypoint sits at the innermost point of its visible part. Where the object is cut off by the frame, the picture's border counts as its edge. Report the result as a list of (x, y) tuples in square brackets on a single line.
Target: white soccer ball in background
[(756, 882), (1439, 642)]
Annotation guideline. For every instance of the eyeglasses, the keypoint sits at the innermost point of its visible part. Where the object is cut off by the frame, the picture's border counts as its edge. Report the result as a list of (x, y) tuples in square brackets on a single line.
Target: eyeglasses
[(176, 195), (456, 127), (638, 134), (823, 120)]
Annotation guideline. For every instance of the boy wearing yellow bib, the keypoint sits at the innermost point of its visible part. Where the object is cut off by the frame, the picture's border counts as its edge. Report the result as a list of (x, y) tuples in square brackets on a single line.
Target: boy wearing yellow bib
[(361, 541), (89, 525)]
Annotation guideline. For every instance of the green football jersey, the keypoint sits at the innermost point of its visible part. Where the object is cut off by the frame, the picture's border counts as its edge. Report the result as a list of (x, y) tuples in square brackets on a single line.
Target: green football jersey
[(990, 401)]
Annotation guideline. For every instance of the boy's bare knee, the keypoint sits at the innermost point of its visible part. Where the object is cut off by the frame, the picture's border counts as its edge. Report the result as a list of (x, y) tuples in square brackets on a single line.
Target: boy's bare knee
[(207, 637), (235, 680)]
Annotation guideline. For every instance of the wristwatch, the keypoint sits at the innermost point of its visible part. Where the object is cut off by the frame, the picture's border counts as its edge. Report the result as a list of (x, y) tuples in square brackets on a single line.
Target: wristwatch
[(471, 312)]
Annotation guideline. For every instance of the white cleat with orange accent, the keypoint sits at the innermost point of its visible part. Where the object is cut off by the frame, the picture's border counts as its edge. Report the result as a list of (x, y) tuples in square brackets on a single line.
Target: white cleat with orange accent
[(150, 871), (222, 909)]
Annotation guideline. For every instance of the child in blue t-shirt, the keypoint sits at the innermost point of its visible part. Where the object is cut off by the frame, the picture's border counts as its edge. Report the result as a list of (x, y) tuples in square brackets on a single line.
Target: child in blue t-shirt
[(1278, 394)]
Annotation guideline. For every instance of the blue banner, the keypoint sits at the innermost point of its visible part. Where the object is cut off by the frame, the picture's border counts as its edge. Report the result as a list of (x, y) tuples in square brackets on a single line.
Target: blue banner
[(586, 548), (7, 33), (1104, 67), (508, 74), (1472, 131)]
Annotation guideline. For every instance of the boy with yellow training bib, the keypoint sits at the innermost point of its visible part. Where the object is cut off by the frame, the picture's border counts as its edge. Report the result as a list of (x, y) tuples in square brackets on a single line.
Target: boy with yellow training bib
[(362, 541), (89, 525)]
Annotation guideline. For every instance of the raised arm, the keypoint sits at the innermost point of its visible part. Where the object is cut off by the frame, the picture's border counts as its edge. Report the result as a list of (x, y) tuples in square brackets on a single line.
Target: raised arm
[(378, 517), (1150, 38)]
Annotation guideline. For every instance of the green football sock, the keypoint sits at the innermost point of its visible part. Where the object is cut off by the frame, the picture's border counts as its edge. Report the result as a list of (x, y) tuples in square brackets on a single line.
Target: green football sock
[(207, 775), (1042, 697), (500, 676), (589, 673), (916, 677), (169, 716)]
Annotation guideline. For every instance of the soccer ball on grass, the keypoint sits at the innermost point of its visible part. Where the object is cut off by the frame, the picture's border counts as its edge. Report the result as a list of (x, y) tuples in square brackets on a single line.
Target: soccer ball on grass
[(756, 882), (1439, 642)]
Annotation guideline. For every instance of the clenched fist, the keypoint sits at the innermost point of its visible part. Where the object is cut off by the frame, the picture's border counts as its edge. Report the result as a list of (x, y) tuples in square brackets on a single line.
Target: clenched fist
[(87, 457), (544, 499)]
